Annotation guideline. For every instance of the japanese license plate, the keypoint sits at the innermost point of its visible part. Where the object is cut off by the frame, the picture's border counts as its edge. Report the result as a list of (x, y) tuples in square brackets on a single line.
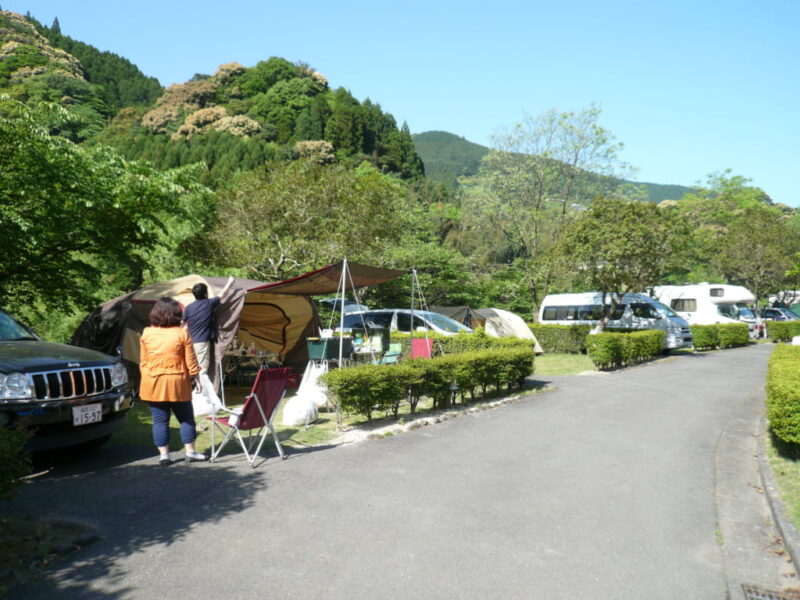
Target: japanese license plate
[(88, 413)]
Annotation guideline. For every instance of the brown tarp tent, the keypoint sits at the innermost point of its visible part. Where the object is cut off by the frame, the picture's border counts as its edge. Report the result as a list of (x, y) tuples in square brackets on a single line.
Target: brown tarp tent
[(275, 317), (462, 314)]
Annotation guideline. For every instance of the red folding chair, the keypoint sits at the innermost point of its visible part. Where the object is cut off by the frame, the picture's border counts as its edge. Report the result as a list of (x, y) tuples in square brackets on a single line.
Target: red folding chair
[(254, 417)]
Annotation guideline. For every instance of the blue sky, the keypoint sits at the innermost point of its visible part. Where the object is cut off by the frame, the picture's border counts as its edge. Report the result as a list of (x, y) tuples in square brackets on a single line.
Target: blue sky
[(689, 88)]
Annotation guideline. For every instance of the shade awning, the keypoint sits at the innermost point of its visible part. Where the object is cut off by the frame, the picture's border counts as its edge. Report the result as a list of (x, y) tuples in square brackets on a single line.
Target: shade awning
[(326, 280)]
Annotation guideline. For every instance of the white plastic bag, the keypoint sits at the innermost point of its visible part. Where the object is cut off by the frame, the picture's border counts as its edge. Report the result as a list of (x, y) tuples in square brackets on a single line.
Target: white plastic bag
[(299, 410), (205, 402)]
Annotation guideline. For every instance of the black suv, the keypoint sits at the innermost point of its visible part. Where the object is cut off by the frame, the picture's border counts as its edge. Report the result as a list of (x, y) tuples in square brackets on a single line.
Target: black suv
[(66, 395)]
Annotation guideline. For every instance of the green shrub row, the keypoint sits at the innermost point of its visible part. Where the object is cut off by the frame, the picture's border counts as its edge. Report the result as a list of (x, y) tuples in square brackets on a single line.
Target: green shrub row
[(364, 389), (614, 349), (570, 339), (783, 393), (783, 331), (724, 335), (462, 342)]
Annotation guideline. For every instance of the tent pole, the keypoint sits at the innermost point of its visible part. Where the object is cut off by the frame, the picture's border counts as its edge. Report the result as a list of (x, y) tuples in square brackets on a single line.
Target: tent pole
[(342, 287)]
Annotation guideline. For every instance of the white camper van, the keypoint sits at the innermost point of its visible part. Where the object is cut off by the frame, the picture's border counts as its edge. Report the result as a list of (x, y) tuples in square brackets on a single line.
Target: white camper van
[(635, 311), (709, 303)]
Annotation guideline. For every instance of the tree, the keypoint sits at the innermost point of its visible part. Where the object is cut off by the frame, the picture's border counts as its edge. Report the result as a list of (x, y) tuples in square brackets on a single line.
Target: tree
[(758, 250), (56, 27), (72, 217), (708, 212), (529, 187), (288, 218), (619, 246)]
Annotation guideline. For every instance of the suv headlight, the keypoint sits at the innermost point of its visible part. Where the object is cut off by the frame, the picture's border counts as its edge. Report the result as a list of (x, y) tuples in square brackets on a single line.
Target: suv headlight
[(14, 386), (119, 374)]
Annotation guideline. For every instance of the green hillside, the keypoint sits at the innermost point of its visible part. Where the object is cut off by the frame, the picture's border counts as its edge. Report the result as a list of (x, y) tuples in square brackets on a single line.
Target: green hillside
[(447, 157), (235, 119)]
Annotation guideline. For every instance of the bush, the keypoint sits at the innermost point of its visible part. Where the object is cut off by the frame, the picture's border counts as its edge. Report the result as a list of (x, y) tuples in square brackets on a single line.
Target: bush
[(783, 331), (462, 342), (732, 335), (614, 349), (706, 337), (783, 393), (366, 388), (725, 335), (14, 460), (570, 339)]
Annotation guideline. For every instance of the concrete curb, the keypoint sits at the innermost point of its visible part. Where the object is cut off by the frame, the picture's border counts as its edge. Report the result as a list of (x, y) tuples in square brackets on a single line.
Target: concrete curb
[(789, 533)]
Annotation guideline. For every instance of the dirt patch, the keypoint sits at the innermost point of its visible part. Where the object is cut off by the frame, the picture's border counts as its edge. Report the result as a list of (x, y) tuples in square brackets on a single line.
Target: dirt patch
[(28, 546)]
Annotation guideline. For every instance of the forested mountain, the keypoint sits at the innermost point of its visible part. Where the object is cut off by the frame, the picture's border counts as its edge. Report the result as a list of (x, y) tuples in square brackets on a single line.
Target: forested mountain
[(237, 119), (447, 157)]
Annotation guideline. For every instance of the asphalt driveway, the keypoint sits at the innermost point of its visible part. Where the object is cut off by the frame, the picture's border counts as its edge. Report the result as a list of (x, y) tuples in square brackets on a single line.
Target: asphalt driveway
[(607, 487)]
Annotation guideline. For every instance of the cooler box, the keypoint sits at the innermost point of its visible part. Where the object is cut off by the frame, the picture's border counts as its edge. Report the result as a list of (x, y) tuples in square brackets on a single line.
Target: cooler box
[(328, 348)]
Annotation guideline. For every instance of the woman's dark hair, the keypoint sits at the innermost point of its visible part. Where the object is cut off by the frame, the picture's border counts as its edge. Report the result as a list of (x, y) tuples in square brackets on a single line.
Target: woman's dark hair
[(166, 313)]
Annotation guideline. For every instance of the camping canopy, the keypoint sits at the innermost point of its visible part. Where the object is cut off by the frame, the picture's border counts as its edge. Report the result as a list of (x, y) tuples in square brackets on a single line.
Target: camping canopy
[(276, 317)]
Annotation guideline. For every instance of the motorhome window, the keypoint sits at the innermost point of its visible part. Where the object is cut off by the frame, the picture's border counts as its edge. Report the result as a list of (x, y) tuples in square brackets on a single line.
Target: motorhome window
[(684, 305), (644, 311), (717, 292)]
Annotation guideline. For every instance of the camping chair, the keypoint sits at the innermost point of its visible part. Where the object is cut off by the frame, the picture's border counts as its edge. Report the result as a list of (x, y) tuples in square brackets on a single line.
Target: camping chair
[(391, 356), (255, 416)]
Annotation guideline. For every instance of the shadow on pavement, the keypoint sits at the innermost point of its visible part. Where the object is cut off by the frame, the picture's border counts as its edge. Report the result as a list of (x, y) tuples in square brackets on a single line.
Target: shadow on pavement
[(132, 504)]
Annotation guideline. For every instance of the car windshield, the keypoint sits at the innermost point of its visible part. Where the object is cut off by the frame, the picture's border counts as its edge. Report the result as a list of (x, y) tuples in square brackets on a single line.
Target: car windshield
[(664, 310), (10, 330), (744, 311), (444, 323), (728, 310)]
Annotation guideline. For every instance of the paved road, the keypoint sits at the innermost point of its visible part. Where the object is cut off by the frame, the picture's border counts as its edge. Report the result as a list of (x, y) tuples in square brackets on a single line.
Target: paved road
[(607, 487)]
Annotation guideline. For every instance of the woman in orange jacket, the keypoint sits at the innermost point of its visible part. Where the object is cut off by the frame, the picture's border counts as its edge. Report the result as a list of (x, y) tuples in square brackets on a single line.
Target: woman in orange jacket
[(168, 366)]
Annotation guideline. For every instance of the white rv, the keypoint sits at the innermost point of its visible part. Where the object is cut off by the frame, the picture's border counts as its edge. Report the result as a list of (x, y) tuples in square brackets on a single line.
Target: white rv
[(635, 311), (709, 303)]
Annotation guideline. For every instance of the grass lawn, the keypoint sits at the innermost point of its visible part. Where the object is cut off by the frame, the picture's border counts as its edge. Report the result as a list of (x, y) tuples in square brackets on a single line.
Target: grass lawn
[(784, 459), (562, 364)]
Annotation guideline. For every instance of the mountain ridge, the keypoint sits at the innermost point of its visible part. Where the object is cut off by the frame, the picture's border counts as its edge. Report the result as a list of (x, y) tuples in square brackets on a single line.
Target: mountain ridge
[(448, 156)]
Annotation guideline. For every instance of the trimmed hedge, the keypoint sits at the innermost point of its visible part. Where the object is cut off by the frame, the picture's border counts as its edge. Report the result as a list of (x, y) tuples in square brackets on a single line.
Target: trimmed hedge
[(462, 342), (783, 331), (724, 335), (570, 339), (783, 393), (364, 389), (613, 349)]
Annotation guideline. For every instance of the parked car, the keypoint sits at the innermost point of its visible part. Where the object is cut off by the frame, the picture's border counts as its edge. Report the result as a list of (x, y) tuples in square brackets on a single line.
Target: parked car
[(349, 305), (66, 395), (399, 319), (778, 314)]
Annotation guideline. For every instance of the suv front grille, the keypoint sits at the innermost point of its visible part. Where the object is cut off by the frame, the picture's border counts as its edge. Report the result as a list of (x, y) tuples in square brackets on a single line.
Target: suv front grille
[(72, 383)]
